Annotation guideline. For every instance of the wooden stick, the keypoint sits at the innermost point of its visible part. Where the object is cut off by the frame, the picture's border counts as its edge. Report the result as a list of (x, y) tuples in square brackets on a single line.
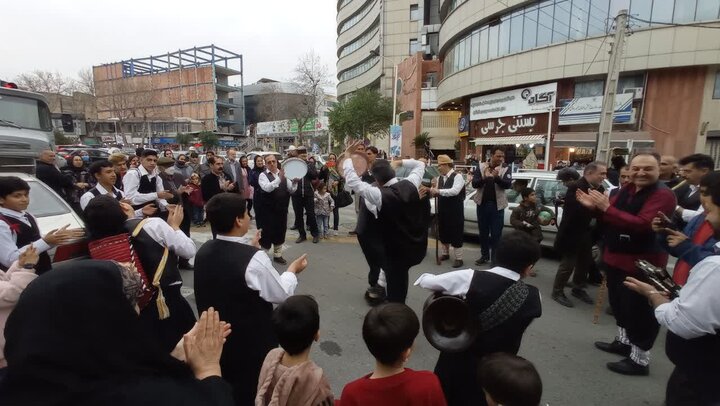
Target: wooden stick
[(437, 233), (599, 300)]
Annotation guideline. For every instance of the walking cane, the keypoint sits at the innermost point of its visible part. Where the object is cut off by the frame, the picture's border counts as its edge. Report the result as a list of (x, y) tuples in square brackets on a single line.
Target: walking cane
[(437, 233), (599, 300)]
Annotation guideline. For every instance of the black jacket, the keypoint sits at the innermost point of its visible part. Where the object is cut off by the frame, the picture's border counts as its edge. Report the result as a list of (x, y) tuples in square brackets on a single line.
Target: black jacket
[(210, 186), (305, 186), (51, 176), (576, 218)]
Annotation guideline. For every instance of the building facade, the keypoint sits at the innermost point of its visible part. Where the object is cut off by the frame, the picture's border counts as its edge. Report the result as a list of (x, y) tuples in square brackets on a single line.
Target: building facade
[(525, 70)]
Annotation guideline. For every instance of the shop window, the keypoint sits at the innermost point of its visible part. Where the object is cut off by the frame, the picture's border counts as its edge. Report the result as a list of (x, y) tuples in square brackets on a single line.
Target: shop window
[(716, 91), (590, 89), (414, 12)]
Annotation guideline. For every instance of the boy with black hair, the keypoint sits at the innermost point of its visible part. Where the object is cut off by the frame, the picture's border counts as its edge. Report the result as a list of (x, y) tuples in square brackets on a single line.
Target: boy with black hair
[(510, 380), (503, 304), (19, 229), (238, 279), (141, 184), (288, 375), (389, 332), (106, 177), (693, 168), (524, 217)]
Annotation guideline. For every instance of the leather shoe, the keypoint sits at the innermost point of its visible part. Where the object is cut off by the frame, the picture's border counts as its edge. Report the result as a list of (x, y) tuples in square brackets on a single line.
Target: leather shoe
[(482, 261), (293, 228), (300, 239), (280, 260), (444, 257), (615, 347), (628, 367), (316, 239), (458, 263), (562, 299), (582, 295)]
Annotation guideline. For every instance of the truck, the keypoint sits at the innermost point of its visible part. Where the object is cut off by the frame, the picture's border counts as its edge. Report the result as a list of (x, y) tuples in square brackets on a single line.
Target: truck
[(25, 128)]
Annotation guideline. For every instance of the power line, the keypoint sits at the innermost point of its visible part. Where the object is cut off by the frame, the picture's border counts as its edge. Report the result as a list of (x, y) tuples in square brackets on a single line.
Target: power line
[(595, 57), (698, 25)]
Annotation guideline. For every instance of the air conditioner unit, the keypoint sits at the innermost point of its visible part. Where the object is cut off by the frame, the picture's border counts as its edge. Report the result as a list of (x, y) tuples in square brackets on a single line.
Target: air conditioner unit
[(633, 116), (636, 91)]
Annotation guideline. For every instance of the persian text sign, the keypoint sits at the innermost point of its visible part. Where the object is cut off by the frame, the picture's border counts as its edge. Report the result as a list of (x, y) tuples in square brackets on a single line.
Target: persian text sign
[(516, 125), (586, 110), (527, 100)]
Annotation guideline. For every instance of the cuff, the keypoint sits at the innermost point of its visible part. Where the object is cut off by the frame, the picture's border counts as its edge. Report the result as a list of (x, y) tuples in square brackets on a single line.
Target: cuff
[(41, 246)]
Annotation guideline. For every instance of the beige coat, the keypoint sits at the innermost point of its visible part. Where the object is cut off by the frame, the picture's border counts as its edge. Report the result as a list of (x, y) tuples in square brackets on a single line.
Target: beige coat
[(299, 385), (502, 201), (12, 284)]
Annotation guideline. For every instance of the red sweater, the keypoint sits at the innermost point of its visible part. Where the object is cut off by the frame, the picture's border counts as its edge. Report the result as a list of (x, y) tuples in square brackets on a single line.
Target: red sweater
[(411, 388)]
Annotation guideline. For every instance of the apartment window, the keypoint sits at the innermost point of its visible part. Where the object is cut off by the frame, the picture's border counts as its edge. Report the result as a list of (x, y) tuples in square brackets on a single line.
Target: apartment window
[(414, 46), (414, 12), (716, 91), (590, 89)]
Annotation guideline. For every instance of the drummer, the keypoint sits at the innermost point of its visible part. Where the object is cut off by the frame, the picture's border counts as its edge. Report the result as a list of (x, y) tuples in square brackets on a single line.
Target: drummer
[(304, 197), (275, 196)]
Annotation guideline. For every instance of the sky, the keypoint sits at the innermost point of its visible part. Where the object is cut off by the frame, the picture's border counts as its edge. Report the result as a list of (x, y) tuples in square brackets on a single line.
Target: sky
[(70, 35)]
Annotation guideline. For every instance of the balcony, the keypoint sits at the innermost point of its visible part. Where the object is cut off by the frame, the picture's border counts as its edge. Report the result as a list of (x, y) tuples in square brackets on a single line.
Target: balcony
[(226, 88)]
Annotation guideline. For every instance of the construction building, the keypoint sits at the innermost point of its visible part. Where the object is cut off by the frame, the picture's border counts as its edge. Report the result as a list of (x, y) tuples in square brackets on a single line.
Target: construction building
[(187, 85)]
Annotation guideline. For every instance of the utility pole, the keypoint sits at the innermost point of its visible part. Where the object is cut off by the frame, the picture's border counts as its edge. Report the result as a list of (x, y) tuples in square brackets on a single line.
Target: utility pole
[(602, 149)]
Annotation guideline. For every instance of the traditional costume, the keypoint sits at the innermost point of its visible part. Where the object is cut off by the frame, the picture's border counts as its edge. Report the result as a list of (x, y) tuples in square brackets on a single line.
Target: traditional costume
[(142, 187), (274, 199), (450, 212), (17, 231)]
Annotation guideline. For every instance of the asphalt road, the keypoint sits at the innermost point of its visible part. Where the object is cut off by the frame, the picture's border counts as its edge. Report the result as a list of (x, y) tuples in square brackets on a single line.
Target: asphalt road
[(560, 343)]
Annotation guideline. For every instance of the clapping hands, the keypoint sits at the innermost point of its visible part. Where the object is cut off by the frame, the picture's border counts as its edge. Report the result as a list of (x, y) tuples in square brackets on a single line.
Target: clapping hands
[(593, 199), (203, 344)]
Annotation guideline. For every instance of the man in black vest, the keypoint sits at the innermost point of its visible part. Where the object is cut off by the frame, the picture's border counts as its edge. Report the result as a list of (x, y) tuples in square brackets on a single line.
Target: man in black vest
[(628, 236), (105, 175), (450, 191), (141, 185), (693, 324), (47, 171), (575, 237), (402, 217), (239, 281), (504, 306), (304, 200), (693, 168), (275, 197)]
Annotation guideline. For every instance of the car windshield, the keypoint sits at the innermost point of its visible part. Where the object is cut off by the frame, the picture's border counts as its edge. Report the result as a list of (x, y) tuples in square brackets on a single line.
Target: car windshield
[(45, 203), (25, 112)]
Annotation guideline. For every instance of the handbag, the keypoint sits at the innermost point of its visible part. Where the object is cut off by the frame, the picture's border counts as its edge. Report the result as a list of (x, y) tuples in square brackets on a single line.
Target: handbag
[(343, 199)]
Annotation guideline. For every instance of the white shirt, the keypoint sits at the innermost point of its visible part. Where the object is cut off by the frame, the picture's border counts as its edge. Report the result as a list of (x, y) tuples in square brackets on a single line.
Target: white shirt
[(268, 186), (696, 312), (371, 194), (9, 252), (87, 196), (131, 183), (176, 240), (457, 283), (261, 276), (688, 215), (457, 186)]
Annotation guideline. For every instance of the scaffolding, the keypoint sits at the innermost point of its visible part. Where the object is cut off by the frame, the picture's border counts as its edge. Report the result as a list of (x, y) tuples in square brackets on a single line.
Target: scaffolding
[(184, 59)]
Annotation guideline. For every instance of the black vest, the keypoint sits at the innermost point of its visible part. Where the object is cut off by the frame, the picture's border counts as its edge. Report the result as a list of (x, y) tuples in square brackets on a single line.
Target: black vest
[(452, 201), (147, 185), (404, 221), (150, 253), (633, 243), (687, 201), (278, 198), (95, 192), (485, 289), (26, 235), (698, 355)]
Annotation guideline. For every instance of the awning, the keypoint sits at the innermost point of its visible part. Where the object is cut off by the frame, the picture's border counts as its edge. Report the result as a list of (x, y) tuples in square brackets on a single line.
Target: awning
[(518, 139), (589, 139)]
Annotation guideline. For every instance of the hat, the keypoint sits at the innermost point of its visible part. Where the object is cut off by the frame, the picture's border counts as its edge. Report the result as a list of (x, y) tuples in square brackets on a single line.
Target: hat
[(444, 159), (165, 161), (291, 148), (302, 148)]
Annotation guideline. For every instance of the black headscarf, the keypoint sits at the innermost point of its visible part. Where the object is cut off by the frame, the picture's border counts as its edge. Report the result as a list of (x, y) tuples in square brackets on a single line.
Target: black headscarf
[(74, 334)]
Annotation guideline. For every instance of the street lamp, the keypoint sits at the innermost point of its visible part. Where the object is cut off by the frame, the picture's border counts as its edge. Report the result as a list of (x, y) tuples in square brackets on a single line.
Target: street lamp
[(395, 73)]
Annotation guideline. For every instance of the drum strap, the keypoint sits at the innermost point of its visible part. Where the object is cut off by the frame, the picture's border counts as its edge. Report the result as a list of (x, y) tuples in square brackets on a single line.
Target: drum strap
[(504, 307)]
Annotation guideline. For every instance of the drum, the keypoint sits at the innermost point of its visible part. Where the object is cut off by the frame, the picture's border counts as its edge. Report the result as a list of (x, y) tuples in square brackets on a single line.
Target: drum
[(295, 168), (359, 160)]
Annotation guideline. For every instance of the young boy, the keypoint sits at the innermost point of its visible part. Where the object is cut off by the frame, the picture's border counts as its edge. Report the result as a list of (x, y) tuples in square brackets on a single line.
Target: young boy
[(503, 305), (19, 229), (510, 380), (288, 375), (389, 332), (524, 217), (324, 206)]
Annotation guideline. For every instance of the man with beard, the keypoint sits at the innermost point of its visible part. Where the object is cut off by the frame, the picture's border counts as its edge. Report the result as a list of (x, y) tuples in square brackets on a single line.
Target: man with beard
[(232, 168), (275, 197), (491, 179), (304, 200), (694, 167), (450, 191), (216, 182), (627, 219)]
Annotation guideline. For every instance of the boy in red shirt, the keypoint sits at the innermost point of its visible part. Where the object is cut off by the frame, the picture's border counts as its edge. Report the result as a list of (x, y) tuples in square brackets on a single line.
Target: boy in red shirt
[(389, 332)]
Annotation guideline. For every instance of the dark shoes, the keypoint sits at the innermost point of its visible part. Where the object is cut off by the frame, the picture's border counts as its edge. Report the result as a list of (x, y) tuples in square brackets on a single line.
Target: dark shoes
[(582, 295), (300, 239), (562, 299), (353, 232), (375, 295), (458, 263), (482, 261), (316, 239), (280, 260), (628, 367), (444, 257), (615, 347), (185, 265)]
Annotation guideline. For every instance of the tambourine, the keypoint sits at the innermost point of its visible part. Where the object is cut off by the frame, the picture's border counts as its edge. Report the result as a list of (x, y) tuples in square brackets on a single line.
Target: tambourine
[(359, 160)]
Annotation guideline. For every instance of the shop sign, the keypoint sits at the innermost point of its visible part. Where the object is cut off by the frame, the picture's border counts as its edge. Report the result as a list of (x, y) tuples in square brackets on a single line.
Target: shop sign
[(516, 125), (107, 138), (586, 110), (395, 140), (463, 126), (527, 100)]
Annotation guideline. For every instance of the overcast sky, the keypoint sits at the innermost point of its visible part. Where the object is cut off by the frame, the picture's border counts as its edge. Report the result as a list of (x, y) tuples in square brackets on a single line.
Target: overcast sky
[(67, 36)]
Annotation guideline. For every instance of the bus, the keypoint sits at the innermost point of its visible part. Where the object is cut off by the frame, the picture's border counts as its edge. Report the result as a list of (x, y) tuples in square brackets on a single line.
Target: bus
[(25, 128)]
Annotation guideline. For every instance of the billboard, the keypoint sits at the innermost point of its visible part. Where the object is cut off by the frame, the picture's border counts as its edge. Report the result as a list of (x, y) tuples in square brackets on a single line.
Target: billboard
[(526, 100), (395, 140), (586, 110)]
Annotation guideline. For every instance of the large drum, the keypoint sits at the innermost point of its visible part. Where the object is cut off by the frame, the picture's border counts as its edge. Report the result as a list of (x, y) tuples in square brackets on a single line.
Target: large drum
[(295, 168)]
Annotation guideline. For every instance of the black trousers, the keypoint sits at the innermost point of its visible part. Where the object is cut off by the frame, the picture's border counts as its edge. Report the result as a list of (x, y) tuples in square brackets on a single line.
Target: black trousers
[(396, 276), (169, 331), (632, 310), (576, 262), (374, 252), (685, 389), (307, 204)]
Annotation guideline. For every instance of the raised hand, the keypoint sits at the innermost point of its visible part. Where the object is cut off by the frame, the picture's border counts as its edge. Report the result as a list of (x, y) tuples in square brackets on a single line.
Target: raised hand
[(256, 239), (63, 235), (175, 216), (298, 265), (29, 257), (675, 238), (149, 210), (204, 346)]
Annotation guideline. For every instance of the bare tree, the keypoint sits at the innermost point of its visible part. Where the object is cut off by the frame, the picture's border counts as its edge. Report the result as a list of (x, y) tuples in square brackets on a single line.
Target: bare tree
[(271, 106), (123, 99), (86, 81), (46, 82), (311, 76)]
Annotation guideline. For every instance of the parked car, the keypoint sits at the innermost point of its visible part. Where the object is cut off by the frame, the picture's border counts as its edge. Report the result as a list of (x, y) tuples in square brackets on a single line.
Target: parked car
[(548, 191)]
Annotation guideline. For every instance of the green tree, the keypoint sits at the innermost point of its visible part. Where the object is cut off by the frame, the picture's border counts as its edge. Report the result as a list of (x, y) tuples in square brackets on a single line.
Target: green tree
[(184, 139), (364, 112), (209, 140), (62, 139)]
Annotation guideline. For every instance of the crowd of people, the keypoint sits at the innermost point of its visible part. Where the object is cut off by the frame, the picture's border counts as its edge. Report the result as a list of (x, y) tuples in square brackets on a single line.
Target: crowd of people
[(136, 339)]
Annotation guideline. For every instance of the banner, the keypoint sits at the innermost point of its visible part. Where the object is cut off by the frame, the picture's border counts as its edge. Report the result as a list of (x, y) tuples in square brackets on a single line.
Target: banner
[(291, 126), (395, 140), (586, 110), (517, 125), (528, 100)]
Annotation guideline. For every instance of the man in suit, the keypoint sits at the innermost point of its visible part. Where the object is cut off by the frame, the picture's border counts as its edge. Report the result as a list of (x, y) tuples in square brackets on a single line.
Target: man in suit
[(216, 182), (575, 237), (48, 172), (693, 168), (232, 168)]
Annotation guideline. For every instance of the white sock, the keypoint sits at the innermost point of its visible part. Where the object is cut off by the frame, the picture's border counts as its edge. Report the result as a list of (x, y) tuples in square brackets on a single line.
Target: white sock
[(622, 336), (444, 250), (639, 356), (277, 251), (458, 253), (381, 279)]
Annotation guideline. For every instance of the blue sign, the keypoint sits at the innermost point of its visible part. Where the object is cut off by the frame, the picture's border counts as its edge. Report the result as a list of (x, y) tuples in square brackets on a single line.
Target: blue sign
[(228, 143), (395, 140), (162, 140)]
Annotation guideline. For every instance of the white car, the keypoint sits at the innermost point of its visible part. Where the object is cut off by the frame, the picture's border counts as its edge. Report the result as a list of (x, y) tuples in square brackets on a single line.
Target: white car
[(547, 188)]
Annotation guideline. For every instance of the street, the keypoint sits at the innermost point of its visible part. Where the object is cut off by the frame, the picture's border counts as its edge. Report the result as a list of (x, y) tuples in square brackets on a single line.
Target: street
[(560, 343)]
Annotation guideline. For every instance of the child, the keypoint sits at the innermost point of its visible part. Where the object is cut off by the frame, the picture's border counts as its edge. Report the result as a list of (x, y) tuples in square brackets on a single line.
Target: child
[(19, 229), (510, 380), (288, 375), (524, 217), (389, 332), (324, 206), (196, 199)]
